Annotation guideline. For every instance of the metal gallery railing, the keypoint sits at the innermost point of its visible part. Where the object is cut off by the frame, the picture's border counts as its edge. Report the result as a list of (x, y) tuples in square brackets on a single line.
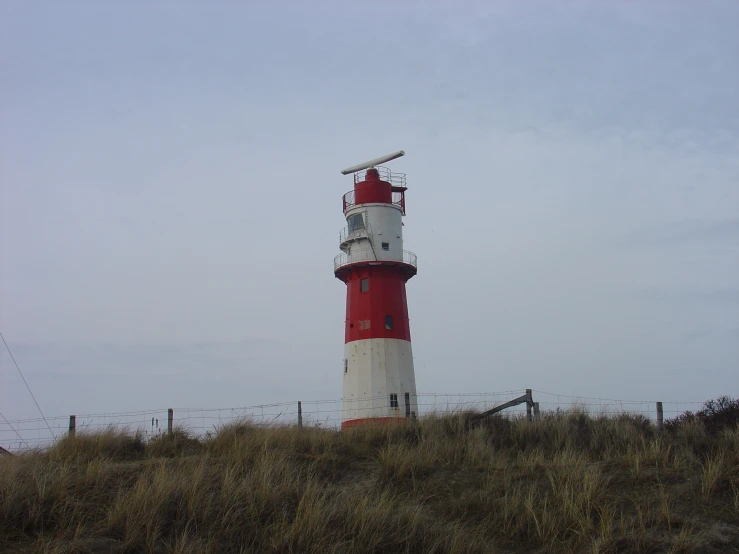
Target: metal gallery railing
[(347, 258), (395, 179), (349, 201)]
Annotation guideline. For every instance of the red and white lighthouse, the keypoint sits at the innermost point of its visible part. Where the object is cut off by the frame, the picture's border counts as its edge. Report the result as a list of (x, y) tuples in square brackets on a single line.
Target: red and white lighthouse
[(379, 382)]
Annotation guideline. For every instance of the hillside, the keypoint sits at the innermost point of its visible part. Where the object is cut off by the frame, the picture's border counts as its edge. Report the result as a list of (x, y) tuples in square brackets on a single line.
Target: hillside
[(565, 483)]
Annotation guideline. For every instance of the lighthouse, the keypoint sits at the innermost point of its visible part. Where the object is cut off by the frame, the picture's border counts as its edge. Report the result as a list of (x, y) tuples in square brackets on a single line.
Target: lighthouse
[(379, 382)]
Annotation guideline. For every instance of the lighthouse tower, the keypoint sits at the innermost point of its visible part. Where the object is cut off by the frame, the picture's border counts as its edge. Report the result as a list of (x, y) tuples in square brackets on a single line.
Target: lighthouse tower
[(379, 383)]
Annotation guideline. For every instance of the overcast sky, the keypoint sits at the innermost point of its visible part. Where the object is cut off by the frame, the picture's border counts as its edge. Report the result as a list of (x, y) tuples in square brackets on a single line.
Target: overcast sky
[(170, 196)]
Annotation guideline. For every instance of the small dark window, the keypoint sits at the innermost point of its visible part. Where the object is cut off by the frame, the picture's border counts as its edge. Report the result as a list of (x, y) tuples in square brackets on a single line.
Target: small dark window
[(346, 365), (388, 322), (364, 285), (386, 246), (393, 400)]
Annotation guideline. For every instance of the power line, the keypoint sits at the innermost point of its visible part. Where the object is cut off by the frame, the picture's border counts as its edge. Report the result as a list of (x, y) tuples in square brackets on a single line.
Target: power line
[(29, 388), (13, 428)]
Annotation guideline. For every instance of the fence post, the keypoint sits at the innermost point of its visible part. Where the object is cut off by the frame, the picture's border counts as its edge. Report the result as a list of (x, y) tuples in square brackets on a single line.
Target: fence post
[(536, 411), (170, 419), (660, 417), (408, 404), (300, 415), (72, 425), (529, 405)]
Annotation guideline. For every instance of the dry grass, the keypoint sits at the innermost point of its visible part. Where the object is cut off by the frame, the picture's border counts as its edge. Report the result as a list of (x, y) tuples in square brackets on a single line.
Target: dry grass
[(568, 483)]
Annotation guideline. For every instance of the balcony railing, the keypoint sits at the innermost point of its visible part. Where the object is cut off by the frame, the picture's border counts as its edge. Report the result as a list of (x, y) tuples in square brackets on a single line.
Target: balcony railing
[(345, 234), (345, 258), (397, 200), (395, 179)]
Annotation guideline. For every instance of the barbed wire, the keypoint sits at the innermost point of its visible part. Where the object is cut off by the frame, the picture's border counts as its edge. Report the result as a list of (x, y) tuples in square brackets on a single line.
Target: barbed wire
[(261, 406), (13, 429), (615, 399), (241, 411), (323, 413)]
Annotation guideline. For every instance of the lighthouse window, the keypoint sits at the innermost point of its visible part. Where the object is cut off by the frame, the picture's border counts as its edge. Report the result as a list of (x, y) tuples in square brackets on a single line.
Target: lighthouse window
[(355, 222), (364, 285), (388, 322), (386, 246), (393, 400)]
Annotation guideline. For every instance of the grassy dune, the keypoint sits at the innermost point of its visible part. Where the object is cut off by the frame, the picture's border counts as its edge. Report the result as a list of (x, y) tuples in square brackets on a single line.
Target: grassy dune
[(568, 483)]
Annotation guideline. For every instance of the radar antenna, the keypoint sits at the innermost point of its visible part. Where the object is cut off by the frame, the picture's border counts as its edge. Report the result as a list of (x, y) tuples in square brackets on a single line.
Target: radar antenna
[(372, 163)]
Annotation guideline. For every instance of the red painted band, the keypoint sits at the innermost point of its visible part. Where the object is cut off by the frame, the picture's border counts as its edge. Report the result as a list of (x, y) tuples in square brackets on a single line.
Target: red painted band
[(376, 303), (370, 420)]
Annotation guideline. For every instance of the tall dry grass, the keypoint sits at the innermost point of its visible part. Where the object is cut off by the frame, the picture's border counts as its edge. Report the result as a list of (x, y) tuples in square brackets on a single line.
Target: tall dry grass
[(565, 483)]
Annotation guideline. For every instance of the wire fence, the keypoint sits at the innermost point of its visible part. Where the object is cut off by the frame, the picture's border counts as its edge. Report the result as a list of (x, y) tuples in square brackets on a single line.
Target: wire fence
[(28, 433)]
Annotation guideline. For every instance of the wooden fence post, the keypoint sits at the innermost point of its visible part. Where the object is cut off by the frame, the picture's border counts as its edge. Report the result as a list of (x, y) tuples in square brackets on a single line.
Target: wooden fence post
[(300, 415), (529, 405), (660, 417), (536, 410), (408, 404), (72, 425), (170, 420)]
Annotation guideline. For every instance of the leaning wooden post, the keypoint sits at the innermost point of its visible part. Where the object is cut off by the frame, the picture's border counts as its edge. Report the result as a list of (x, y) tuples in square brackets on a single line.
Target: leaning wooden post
[(170, 419), (536, 411), (660, 417), (529, 405), (72, 425), (300, 415)]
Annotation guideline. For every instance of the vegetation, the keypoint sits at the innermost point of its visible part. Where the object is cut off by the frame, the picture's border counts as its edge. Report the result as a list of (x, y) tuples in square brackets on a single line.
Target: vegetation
[(721, 413), (565, 483)]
